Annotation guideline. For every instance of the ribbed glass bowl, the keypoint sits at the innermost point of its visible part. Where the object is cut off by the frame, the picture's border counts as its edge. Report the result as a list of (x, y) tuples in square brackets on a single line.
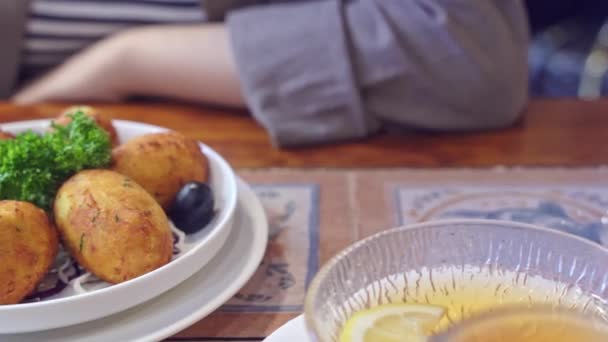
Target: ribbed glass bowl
[(351, 281)]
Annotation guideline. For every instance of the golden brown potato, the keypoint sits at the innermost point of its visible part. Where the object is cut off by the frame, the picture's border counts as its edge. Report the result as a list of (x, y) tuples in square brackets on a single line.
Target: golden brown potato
[(112, 226), (103, 121), (28, 246), (6, 135), (161, 163)]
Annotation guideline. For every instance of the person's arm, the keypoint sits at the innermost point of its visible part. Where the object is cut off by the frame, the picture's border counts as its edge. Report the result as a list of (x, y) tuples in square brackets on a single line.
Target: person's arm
[(329, 70), (185, 62), (193, 63)]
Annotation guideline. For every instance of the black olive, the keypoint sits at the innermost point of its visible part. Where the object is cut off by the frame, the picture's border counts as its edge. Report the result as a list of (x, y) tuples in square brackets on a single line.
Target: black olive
[(193, 207)]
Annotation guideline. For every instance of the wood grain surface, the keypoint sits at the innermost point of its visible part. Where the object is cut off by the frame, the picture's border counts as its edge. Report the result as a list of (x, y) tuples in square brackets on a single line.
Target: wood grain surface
[(550, 133)]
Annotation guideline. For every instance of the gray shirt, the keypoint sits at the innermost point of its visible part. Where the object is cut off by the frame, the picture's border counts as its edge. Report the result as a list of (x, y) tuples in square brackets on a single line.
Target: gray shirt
[(327, 70)]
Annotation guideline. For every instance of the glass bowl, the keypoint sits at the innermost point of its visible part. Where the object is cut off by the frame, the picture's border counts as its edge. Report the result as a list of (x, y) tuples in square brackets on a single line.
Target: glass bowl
[(425, 262)]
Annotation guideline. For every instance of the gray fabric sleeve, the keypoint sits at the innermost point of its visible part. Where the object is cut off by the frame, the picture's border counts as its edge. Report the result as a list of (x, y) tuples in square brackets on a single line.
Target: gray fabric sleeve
[(332, 70)]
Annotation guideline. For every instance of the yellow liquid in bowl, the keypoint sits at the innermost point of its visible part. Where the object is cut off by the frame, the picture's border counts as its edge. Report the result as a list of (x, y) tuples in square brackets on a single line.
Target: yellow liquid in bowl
[(532, 327), (466, 291)]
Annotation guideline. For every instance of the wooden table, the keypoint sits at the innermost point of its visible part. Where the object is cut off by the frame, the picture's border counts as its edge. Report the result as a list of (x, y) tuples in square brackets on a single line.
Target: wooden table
[(565, 133), (551, 133)]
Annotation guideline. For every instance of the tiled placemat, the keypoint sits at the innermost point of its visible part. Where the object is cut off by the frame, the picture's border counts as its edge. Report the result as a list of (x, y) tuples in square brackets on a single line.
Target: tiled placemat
[(314, 214), (292, 257)]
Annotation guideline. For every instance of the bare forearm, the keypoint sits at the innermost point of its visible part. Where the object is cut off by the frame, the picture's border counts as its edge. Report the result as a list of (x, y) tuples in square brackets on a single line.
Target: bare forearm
[(189, 62)]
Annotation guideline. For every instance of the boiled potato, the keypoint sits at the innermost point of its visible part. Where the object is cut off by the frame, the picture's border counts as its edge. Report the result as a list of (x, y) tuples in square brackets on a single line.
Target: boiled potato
[(6, 135), (161, 163), (112, 226), (28, 246), (101, 120)]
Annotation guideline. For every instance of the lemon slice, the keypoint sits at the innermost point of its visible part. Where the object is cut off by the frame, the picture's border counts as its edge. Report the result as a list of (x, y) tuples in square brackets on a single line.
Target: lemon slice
[(392, 323)]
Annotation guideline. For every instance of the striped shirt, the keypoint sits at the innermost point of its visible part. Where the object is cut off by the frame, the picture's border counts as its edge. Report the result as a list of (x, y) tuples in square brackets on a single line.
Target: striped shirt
[(57, 29)]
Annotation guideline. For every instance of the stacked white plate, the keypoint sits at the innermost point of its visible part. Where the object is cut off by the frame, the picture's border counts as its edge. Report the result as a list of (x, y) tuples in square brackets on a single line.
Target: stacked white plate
[(211, 266)]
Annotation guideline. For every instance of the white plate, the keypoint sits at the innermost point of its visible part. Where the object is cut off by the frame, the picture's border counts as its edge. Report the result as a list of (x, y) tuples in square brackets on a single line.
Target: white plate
[(188, 302), (294, 330), (70, 307)]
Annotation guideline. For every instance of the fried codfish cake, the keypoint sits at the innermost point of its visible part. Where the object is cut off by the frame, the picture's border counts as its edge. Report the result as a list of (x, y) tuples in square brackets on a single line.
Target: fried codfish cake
[(112, 226), (101, 120), (28, 246), (161, 163)]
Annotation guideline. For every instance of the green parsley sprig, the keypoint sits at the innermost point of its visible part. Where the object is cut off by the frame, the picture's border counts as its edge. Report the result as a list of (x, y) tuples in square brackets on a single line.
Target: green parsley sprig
[(33, 167)]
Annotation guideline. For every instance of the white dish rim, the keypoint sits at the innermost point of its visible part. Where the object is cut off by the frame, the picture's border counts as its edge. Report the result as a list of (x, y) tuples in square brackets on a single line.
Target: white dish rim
[(251, 220), (260, 239), (228, 206)]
